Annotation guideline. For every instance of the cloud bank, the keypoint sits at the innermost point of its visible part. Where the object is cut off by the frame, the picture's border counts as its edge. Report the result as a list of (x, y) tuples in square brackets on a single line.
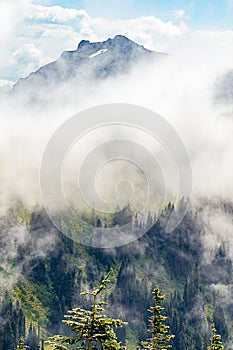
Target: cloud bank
[(181, 89)]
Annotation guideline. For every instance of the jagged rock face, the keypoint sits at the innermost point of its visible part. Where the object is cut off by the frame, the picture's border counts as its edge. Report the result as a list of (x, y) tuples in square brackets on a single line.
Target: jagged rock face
[(97, 60)]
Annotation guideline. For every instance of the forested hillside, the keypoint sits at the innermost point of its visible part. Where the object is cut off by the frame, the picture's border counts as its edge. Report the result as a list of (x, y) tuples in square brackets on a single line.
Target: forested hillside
[(43, 273)]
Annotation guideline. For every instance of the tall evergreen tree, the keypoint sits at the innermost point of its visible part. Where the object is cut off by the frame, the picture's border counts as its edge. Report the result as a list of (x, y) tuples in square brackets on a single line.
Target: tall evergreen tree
[(21, 345), (92, 328), (32, 339), (216, 343), (159, 337)]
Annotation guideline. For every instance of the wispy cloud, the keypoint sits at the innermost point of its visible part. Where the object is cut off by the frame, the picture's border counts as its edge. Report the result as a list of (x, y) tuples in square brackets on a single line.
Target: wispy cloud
[(55, 13)]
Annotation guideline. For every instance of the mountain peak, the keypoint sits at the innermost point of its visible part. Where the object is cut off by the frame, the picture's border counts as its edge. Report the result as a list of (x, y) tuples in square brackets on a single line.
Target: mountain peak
[(119, 41), (83, 43), (121, 38), (90, 61)]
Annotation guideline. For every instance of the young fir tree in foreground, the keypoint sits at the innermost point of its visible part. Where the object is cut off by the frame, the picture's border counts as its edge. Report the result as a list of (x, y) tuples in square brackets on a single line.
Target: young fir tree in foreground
[(216, 340), (21, 345), (159, 331), (93, 330)]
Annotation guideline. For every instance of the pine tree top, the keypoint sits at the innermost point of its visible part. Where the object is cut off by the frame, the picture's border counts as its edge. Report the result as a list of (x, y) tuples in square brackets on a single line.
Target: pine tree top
[(216, 340), (159, 331), (21, 345), (102, 286), (92, 328)]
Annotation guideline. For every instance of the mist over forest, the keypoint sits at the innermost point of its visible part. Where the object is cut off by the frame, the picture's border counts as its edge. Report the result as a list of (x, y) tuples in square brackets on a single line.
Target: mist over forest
[(121, 184)]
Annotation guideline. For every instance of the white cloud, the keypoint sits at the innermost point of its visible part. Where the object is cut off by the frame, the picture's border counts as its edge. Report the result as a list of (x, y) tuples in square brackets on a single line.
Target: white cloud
[(55, 13), (180, 90), (52, 29), (179, 14), (11, 13), (5, 87), (140, 29), (27, 58)]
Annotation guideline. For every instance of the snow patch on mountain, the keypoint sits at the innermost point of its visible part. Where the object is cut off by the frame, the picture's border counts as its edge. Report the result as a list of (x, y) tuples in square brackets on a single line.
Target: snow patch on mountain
[(99, 52)]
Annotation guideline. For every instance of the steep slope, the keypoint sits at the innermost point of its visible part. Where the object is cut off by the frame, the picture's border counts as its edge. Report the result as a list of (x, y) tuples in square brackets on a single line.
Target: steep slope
[(90, 62), (51, 280)]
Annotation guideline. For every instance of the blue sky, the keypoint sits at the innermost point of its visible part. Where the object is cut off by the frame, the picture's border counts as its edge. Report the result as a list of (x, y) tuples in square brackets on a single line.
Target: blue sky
[(199, 14)]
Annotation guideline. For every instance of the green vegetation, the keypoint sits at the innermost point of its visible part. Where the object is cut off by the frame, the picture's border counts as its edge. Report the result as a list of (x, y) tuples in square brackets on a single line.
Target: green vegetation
[(216, 340), (29, 295), (21, 345), (159, 337), (92, 329), (48, 271)]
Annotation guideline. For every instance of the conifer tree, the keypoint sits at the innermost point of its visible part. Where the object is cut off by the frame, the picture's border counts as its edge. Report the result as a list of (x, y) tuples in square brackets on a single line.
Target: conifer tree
[(93, 330), (32, 339), (21, 345), (159, 331), (216, 343)]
